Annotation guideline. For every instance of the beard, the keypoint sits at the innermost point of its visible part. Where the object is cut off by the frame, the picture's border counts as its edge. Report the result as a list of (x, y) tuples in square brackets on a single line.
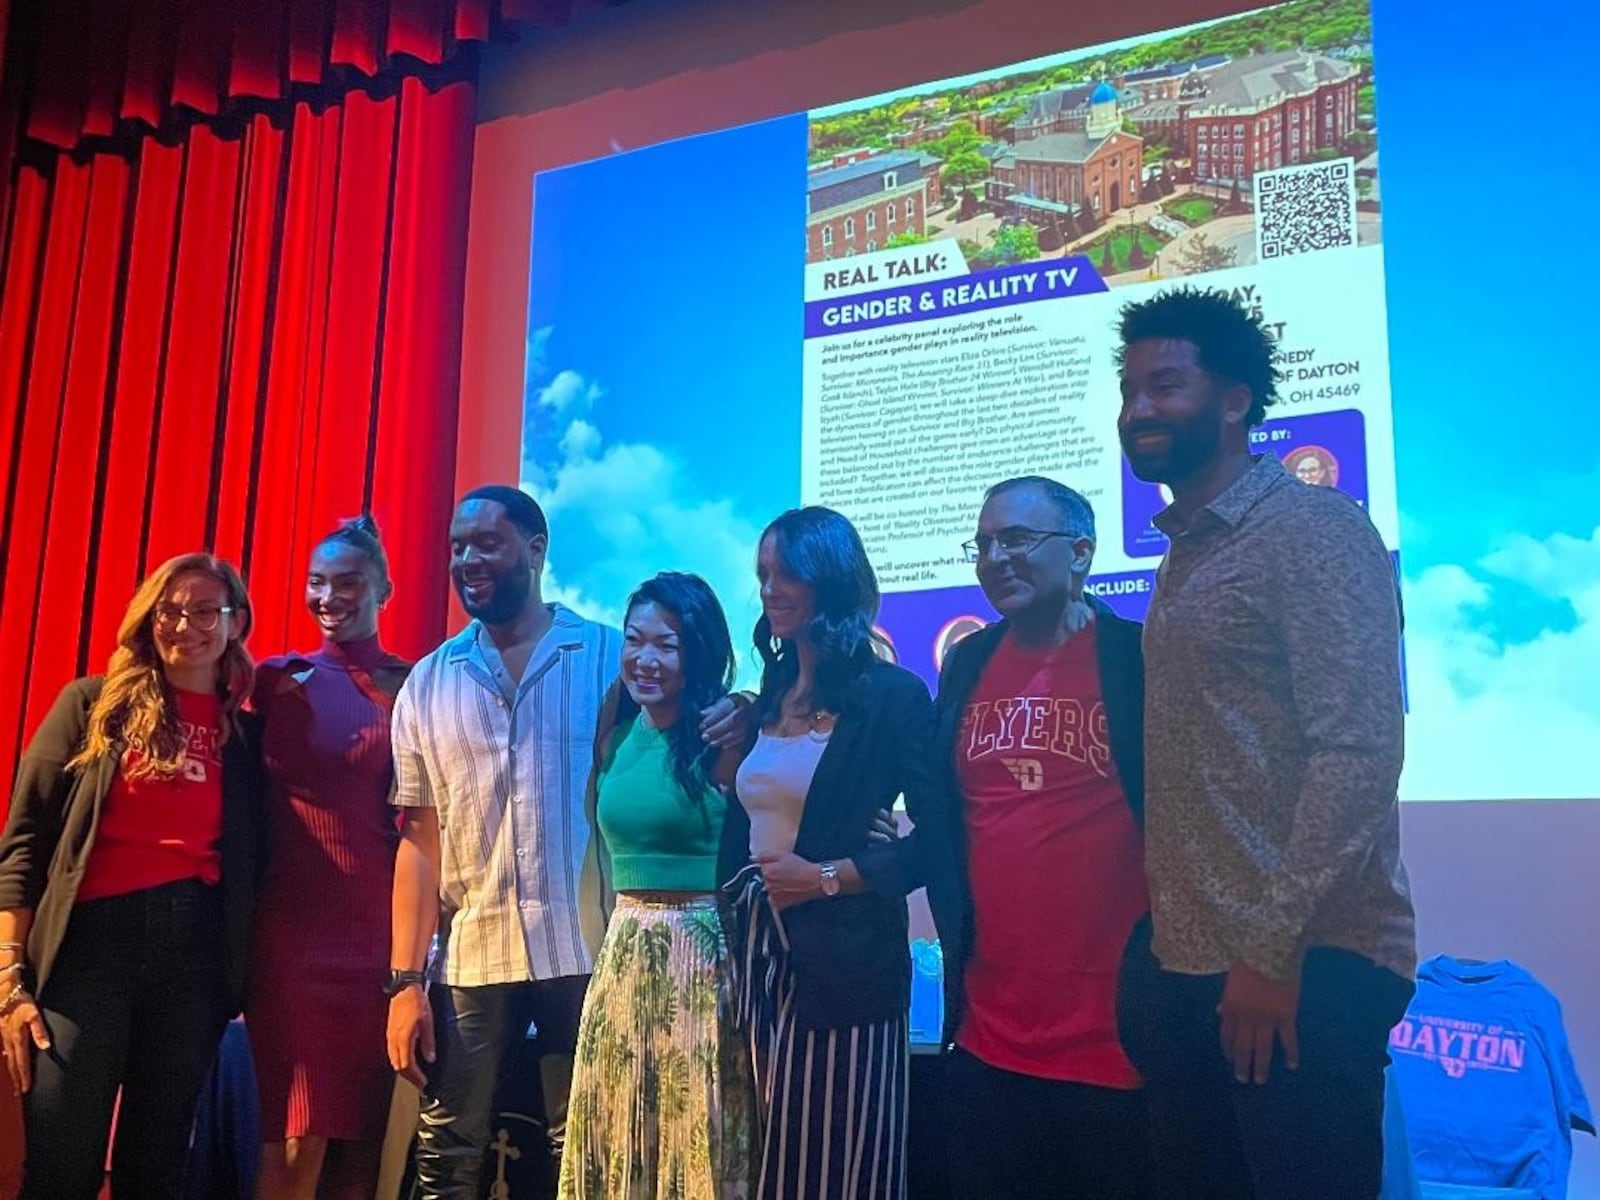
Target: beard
[(506, 599), (1191, 444)]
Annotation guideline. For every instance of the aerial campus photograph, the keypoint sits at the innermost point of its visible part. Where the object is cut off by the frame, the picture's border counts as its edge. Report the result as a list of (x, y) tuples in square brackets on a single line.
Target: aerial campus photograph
[(1150, 157)]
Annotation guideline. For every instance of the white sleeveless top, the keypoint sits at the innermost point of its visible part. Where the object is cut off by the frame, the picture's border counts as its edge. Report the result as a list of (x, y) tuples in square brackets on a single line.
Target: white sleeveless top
[(772, 782)]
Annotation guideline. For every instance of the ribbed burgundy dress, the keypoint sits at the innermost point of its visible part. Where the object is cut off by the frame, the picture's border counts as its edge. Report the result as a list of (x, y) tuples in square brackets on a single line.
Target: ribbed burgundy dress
[(316, 1009)]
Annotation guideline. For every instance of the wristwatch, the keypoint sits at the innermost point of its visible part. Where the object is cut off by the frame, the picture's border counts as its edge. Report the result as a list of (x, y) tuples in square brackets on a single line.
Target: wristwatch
[(399, 981), (830, 879)]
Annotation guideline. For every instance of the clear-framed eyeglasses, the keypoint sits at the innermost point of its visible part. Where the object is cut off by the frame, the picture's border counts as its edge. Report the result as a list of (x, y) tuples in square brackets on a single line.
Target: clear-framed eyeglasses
[(204, 618)]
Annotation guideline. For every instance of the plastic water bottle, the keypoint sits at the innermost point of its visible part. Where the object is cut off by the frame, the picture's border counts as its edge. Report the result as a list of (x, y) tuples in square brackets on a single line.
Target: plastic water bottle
[(927, 992)]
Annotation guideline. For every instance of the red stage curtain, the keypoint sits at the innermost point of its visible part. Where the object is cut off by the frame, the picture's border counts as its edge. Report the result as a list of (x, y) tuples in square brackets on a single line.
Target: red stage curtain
[(107, 65), (230, 342), (233, 238), (233, 243)]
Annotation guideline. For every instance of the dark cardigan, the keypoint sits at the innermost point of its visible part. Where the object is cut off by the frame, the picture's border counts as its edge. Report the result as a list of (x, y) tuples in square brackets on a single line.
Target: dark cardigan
[(851, 960), (935, 854), (55, 812)]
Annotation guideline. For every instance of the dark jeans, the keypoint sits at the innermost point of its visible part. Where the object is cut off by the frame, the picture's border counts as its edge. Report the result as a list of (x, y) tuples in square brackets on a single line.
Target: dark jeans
[(1017, 1137), (480, 1029), (1314, 1132), (136, 1000)]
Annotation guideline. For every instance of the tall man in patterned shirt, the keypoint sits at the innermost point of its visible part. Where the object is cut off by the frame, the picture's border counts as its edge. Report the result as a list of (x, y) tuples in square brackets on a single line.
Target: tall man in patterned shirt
[(1284, 946)]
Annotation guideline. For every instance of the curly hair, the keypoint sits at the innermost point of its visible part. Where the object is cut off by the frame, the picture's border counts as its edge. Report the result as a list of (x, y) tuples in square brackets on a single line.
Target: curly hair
[(136, 709), (1232, 343)]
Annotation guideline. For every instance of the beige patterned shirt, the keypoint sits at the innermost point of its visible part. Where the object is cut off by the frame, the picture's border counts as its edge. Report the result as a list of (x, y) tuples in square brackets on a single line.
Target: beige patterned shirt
[(1275, 734)]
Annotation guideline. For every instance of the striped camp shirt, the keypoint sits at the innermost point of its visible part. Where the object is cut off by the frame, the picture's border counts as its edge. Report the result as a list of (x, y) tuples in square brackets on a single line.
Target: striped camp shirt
[(505, 763)]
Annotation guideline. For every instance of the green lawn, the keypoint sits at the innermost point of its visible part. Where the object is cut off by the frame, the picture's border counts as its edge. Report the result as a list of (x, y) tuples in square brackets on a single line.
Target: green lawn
[(1192, 210), (1121, 244)]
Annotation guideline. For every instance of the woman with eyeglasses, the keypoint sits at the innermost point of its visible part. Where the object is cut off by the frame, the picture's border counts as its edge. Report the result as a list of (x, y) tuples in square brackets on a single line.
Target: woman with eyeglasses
[(127, 883), (820, 953), (316, 1009)]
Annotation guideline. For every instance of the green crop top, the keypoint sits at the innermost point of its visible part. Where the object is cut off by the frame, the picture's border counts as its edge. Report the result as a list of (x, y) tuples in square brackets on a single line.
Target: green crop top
[(656, 836)]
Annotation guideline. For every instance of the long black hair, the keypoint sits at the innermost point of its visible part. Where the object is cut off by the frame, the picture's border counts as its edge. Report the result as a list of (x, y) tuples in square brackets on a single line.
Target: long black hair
[(821, 549), (705, 651)]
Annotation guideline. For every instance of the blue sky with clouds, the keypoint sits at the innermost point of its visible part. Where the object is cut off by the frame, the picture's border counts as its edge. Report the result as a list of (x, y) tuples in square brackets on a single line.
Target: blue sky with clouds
[(1490, 328), (664, 380), (662, 395)]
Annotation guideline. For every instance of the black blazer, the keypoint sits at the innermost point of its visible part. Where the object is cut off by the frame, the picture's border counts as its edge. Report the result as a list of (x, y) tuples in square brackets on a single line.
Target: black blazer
[(851, 959), (935, 854), (55, 812)]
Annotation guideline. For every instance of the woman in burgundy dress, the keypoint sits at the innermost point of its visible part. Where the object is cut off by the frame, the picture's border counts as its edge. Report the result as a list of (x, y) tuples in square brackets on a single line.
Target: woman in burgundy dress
[(317, 1010)]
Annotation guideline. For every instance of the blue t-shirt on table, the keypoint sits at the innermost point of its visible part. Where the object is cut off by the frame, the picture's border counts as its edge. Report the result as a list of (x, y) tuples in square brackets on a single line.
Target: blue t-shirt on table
[(1491, 1093)]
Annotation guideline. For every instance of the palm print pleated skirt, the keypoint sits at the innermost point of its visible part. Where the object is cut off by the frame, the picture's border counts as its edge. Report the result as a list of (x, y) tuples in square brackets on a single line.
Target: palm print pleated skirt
[(662, 1097)]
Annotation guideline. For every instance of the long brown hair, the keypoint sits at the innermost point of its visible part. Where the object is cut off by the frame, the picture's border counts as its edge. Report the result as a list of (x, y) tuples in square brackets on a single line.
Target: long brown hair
[(136, 710)]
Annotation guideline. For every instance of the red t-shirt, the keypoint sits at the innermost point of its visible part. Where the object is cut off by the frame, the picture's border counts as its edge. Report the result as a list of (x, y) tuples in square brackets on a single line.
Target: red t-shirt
[(1057, 868), (156, 831)]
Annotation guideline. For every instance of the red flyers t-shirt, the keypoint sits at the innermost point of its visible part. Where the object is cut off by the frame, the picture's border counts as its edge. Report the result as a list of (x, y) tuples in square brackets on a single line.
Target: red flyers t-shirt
[(156, 831), (1057, 867)]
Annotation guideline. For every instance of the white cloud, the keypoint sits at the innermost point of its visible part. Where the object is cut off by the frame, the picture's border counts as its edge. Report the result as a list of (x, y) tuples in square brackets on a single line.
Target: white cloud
[(569, 393), (630, 510), (580, 441), (533, 362), (1491, 720), (1559, 564)]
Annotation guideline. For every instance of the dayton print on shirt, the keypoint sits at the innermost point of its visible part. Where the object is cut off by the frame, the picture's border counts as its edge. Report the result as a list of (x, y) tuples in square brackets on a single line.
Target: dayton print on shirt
[(200, 750), (1025, 732), (1460, 1046)]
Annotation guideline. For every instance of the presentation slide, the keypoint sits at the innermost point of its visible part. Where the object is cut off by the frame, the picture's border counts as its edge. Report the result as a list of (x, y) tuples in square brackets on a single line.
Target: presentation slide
[(950, 322)]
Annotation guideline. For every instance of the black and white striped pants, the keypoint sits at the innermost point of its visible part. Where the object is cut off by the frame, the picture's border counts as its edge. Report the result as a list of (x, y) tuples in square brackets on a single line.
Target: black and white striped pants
[(830, 1103)]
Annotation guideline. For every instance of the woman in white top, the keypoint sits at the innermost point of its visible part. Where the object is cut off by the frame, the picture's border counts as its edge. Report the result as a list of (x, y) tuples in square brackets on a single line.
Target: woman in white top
[(820, 957)]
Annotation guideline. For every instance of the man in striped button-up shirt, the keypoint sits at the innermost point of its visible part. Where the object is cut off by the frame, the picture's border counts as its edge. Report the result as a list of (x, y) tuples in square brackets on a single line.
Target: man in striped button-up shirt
[(493, 741)]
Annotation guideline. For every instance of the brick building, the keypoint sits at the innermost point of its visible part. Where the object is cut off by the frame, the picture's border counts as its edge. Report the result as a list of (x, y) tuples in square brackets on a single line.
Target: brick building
[(918, 132), (1064, 110), (1255, 113), (858, 207), (1098, 167), (1163, 82), (1267, 111), (843, 158)]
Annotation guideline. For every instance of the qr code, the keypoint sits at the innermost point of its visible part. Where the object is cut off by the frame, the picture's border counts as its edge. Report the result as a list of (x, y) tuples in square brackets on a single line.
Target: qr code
[(1305, 208)]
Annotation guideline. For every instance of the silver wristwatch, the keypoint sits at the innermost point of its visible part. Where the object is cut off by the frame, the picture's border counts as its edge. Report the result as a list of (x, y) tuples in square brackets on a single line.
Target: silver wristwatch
[(830, 879)]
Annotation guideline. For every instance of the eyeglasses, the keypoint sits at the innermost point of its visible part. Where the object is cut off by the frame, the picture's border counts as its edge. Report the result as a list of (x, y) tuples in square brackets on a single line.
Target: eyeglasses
[(1016, 542), (203, 619)]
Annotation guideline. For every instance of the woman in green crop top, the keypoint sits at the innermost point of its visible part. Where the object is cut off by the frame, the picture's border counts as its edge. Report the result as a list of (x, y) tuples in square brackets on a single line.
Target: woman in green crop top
[(662, 1095)]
